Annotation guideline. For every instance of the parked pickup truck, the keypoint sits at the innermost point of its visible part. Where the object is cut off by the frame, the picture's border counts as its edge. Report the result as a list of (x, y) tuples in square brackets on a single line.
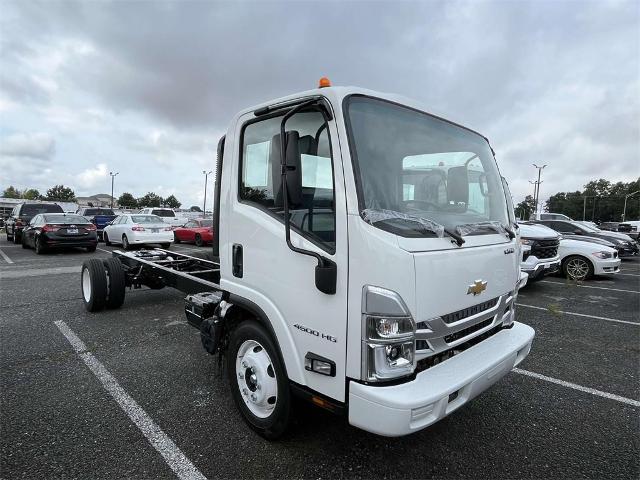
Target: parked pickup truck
[(365, 259), (539, 250), (99, 216), (167, 215)]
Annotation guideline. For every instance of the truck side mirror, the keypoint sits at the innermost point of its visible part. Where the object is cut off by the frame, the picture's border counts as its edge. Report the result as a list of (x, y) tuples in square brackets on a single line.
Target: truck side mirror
[(458, 185), (326, 276), (293, 166)]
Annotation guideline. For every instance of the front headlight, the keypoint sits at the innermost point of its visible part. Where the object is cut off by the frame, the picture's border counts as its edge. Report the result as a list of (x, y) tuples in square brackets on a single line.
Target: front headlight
[(388, 336), (602, 254), (526, 241)]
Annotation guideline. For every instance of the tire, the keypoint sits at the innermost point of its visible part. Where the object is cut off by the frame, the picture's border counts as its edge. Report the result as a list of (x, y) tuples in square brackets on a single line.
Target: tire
[(93, 285), (175, 238), (258, 380), (9, 237), (116, 285), (577, 268), (24, 244), (166, 246), (38, 247), (91, 249), (16, 239), (199, 241), (105, 237), (125, 243)]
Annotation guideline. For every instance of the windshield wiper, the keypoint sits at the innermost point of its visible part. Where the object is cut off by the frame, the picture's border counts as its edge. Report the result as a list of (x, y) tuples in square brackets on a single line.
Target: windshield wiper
[(457, 238)]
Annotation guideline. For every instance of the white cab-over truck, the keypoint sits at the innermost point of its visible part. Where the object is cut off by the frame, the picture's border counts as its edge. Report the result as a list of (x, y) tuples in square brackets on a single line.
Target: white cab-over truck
[(369, 265)]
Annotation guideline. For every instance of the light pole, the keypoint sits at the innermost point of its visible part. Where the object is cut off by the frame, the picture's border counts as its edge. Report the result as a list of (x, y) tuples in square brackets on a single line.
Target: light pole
[(624, 210), (204, 205), (113, 175), (538, 192)]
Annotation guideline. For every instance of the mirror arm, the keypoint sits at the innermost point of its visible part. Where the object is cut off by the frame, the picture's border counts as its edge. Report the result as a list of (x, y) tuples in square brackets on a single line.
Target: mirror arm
[(285, 196)]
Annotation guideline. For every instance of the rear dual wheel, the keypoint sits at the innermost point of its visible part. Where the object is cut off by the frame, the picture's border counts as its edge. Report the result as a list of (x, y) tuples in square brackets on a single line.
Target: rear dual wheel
[(103, 284)]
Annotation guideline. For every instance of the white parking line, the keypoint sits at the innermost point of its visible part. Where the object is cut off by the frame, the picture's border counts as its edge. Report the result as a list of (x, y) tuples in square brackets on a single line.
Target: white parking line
[(35, 272), (103, 250), (592, 391), (6, 257), (172, 455), (577, 314), (589, 286)]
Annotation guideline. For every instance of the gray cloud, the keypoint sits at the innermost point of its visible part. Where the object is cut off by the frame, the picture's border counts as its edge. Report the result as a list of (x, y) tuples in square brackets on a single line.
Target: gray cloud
[(556, 82), (40, 146)]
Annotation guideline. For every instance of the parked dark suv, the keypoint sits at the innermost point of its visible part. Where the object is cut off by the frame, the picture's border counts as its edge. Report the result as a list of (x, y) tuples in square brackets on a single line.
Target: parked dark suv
[(624, 244), (22, 214)]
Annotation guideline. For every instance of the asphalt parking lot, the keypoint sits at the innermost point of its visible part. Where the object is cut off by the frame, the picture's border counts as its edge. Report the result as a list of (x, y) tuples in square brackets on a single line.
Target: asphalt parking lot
[(570, 410)]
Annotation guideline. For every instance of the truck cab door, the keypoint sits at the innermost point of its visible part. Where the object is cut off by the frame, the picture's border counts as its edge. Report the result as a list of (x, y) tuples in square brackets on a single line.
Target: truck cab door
[(259, 268)]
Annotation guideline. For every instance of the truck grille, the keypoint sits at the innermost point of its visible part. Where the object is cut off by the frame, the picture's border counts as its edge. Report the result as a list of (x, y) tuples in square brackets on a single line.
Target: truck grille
[(464, 313), (545, 248), (467, 331)]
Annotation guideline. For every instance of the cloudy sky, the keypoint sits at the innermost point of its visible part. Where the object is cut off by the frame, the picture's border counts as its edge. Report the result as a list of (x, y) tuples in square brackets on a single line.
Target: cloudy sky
[(147, 88)]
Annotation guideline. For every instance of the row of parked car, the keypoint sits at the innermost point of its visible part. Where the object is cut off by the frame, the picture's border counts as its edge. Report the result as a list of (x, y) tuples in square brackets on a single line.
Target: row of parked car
[(44, 226), (579, 250)]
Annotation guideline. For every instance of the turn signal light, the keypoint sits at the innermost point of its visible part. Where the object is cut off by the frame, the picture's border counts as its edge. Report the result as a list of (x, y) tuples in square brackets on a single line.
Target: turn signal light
[(50, 228), (91, 227), (137, 228), (324, 82)]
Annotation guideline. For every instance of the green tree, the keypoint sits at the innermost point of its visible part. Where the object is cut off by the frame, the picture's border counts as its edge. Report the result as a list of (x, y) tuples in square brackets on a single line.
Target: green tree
[(195, 208), (525, 208), (150, 200), (11, 192), (172, 202), (127, 200), (31, 194), (60, 192), (600, 201)]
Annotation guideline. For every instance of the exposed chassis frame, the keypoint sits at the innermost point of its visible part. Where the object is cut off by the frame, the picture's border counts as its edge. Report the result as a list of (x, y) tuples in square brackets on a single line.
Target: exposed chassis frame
[(160, 268)]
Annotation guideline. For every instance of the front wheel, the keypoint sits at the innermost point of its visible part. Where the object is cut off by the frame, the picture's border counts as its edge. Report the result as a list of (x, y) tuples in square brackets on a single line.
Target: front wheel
[(199, 241), (258, 380), (577, 268), (125, 243)]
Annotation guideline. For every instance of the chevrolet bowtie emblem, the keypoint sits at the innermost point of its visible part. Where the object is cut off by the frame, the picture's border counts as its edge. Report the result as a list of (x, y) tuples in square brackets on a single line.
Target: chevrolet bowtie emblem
[(477, 287)]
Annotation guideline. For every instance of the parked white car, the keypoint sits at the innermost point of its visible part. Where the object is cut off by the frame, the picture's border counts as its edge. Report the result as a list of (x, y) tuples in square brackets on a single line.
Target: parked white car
[(138, 229), (582, 260), (167, 215)]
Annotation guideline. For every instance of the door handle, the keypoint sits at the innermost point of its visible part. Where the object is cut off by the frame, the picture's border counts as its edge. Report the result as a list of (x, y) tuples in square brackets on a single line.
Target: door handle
[(236, 260)]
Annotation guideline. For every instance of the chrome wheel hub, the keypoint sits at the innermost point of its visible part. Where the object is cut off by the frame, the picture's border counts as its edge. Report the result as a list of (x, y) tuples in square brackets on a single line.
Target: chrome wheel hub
[(256, 379), (86, 285), (577, 269)]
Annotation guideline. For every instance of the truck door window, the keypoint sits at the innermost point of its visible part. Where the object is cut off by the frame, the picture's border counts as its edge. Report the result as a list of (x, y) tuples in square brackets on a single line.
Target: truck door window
[(315, 219)]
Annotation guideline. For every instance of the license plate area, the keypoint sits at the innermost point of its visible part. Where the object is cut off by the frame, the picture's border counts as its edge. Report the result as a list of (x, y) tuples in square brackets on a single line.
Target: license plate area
[(155, 230), (72, 231)]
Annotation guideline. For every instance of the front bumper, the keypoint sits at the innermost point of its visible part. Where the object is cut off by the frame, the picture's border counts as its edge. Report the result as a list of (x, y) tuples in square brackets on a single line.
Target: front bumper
[(606, 266), (438, 391), (539, 268)]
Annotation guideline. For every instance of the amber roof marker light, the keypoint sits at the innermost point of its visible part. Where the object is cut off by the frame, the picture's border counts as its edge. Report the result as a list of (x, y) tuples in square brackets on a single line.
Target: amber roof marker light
[(324, 82)]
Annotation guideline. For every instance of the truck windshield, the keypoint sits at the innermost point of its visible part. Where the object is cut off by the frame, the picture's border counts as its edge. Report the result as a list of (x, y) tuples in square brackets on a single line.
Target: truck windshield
[(419, 175)]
